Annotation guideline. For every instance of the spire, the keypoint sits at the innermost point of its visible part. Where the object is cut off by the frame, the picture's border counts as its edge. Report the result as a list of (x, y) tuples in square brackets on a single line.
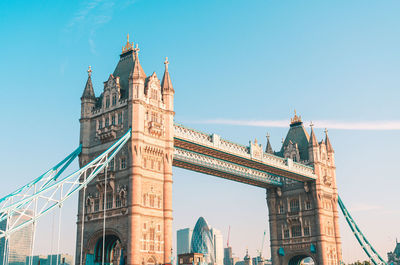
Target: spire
[(166, 83), (268, 148), (327, 142), (137, 71), (88, 92), (313, 140)]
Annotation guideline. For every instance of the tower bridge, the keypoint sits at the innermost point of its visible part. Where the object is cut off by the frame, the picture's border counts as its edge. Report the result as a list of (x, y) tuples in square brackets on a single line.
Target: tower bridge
[(128, 146)]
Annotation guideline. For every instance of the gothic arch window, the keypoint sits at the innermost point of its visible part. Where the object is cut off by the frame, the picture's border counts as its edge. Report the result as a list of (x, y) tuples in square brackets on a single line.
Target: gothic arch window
[(281, 208), (294, 205), (111, 165), (100, 123), (123, 162), (159, 202), (114, 99), (151, 200), (113, 119), (145, 199), (109, 200), (296, 231), (120, 118), (118, 201), (107, 122), (96, 204), (306, 231), (107, 101), (286, 233)]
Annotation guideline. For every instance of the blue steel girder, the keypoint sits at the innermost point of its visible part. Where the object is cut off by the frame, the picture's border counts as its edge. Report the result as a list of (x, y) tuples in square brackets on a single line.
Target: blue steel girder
[(225, 169), (214, 146)]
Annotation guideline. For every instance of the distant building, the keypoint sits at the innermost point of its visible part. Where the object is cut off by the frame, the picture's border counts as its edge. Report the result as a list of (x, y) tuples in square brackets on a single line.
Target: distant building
[(202, 239), (61, 259), (19, 243), (218, 246), (191, 259), (394, 257), (228, 259), (246, 260), (235, 260), (183, 238)]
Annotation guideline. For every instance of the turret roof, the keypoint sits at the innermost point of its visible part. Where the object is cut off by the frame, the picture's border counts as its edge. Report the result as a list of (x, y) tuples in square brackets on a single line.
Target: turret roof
[(166, 83), (313, 139), (268, 148), (297, 134), (327, 142), (123, 70), (88, 92)]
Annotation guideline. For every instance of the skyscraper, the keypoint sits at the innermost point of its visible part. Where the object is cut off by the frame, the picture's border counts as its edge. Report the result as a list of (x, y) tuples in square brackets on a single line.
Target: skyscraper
[(218, 246), (202, 239), (228, 260), (19, 243), (183, 238)]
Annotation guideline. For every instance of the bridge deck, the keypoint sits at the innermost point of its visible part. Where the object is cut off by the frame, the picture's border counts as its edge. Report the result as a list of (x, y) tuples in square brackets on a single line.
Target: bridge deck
[(199, 151)]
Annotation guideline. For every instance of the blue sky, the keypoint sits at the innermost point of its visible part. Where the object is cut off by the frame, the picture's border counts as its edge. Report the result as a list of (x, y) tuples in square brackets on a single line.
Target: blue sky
[(239, 69)]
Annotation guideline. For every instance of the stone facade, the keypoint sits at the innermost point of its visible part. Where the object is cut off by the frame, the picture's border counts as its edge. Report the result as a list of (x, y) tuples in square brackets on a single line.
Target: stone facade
[(304, 216), (139, 180)]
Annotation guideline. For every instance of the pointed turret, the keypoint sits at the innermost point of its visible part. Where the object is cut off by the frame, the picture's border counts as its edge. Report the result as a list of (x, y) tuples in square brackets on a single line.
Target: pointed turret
[(166, 84), (329, 148), (137, 71), (166, 88), (88, 92), (313, 140), (268, 148)]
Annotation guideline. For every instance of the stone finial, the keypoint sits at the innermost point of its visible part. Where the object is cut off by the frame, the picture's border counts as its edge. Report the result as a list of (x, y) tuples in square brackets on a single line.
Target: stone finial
[(128, 46), (311, 124), (89, 71), (268, 136), (295, 119), (166, 62)]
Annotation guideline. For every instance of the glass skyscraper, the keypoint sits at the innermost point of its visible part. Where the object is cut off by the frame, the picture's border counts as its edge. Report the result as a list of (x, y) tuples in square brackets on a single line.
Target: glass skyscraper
[(19, 243), (183, 238)]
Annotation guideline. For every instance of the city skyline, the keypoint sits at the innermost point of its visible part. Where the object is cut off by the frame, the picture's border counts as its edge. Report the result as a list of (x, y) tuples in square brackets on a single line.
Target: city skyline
[(355, 60)]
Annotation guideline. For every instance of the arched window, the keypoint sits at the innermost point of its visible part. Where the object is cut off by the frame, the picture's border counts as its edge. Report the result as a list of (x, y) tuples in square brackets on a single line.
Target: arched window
[(107, 101), (120, 118), (281, 209), (118, 201), (114, 99), (296, 231), (294, 205)]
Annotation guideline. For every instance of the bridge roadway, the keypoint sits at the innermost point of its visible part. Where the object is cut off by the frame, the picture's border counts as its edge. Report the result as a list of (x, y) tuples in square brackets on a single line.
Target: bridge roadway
[(210, 154)]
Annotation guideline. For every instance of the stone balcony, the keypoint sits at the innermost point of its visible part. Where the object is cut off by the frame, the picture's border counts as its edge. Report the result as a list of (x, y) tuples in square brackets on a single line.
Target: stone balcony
[(108, 133), (155, 128)]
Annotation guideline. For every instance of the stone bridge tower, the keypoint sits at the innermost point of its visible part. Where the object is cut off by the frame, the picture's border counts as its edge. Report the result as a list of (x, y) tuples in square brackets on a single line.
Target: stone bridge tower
[(139, 180), (304, 216)]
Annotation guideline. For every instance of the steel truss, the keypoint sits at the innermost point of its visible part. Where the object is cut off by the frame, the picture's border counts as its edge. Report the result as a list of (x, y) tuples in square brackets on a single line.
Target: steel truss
[(32, 201), (27, 204), (366, 246)]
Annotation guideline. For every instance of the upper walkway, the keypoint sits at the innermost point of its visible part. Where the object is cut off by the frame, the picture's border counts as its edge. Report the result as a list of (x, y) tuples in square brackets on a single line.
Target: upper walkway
[(210, 154)]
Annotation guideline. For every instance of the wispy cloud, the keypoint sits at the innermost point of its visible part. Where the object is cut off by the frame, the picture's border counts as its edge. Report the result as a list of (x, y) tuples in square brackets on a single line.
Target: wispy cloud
[(89, 17), (331, 124)]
